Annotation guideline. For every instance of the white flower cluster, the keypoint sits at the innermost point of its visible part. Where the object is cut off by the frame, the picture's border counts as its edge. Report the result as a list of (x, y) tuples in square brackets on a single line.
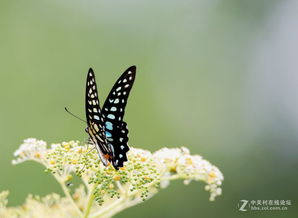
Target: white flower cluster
[(179, 163), (109, 191), (36, 207), (31, 149)]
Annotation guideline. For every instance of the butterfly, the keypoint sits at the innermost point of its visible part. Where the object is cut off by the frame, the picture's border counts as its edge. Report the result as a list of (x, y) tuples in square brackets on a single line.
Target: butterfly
[(106, 128)]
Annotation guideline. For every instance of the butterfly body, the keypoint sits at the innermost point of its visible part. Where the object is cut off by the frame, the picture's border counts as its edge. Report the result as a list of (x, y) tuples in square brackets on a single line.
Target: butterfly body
[(106, 128)]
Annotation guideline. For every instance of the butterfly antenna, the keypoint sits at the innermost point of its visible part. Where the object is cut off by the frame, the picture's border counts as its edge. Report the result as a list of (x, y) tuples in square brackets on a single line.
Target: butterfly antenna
[(74, 115)]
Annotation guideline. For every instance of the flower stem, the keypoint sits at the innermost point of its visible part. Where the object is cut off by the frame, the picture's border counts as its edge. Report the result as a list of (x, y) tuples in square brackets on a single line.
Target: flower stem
[(67, 194), (119, 207), (104, 210), (89, 204)]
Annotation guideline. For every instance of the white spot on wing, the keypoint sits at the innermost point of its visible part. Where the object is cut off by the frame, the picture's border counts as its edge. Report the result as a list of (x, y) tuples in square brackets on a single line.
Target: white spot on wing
[(113, 108), (111, 116), (96, 117)]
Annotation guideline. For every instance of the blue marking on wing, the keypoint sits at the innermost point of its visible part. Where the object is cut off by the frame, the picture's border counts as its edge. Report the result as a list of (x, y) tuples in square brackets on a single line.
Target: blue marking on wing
[(108, 134), (109, 125)]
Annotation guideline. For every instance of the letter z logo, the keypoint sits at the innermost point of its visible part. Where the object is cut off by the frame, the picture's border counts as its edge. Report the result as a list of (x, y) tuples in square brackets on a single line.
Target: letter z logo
[(242, 207)]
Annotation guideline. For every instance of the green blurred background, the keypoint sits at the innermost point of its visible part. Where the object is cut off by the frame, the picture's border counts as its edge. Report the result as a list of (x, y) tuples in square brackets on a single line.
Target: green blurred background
[(217, 76)]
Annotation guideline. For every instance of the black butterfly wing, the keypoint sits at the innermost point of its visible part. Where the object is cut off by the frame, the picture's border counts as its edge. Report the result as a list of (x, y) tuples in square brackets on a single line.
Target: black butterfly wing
[(113, 111), (95, 120)]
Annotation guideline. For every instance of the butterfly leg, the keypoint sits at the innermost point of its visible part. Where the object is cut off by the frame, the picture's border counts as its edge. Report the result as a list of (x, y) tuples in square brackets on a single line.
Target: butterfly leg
[(94, 147), (91, 149)]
